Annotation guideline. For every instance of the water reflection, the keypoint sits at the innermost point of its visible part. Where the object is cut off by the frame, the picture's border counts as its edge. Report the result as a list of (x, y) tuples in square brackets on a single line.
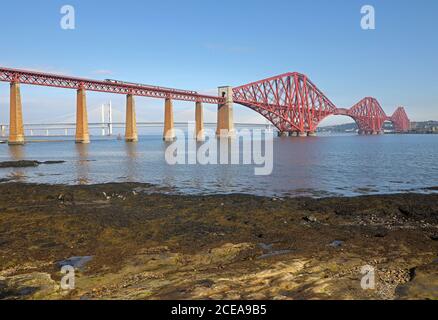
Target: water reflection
[(82, 164), (226, 152), (17, 153), (130, 163), (301, 159)]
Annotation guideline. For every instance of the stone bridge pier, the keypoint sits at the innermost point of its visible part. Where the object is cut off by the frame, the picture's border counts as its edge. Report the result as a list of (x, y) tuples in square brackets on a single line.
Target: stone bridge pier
[(225, 118), (82, 133), (131, 134), (16, 128)]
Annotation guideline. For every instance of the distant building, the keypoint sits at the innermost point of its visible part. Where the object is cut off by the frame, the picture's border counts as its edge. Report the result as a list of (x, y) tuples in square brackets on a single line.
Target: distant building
[(424, 127)]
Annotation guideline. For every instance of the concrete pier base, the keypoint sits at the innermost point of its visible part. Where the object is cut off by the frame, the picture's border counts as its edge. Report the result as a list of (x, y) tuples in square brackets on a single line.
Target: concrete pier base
[(131, 134), (311, 134), (302, 134), (283, 134), (169, 128), (199, 119), (82, 134), (225, 119), (16, 128)]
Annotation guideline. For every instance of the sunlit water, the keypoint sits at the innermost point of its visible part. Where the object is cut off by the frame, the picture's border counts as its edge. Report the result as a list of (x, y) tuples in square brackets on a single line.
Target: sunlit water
[(317, 166)]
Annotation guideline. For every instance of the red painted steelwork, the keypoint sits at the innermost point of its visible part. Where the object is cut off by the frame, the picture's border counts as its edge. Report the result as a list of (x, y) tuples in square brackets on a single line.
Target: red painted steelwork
[(368, 115), (294, 104), (290, 101), (61, 81), (400, 120)]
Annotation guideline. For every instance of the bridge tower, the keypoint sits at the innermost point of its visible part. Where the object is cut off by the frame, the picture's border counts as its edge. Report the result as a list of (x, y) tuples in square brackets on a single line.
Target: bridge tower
[(16, 128), (110, 118), (225, 119), (102, 118)]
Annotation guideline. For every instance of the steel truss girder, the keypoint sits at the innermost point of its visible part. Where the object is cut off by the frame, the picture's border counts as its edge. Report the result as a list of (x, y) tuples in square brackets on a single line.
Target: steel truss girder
[(60, 81), (292, 103)]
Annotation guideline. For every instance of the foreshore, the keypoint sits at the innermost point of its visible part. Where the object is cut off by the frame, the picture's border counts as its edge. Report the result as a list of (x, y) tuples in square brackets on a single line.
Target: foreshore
[(128, 241)]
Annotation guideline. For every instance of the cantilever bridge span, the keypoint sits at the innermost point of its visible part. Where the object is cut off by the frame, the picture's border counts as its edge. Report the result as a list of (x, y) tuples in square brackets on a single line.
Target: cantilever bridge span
[(291, 102), (295, 105)]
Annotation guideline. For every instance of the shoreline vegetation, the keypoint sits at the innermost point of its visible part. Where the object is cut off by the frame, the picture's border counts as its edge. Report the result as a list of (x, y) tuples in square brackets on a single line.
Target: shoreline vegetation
[(128, 241)]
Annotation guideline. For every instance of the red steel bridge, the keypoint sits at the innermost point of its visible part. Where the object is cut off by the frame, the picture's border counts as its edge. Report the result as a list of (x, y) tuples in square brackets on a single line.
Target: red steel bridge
[(291, 102), (294, 104)]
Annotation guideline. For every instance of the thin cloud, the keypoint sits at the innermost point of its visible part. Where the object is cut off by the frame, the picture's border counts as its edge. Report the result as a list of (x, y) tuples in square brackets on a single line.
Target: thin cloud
[(209, 92), (103, 72), (228, 48)]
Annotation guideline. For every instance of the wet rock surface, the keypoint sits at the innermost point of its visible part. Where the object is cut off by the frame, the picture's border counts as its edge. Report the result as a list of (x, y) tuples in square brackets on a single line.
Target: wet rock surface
[(36, 285), (26, 163), (19, 164), (75, 262), (132, 244), (422, 285)]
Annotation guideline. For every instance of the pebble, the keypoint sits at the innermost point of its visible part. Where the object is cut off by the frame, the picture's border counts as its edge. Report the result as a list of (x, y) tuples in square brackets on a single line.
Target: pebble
[(336, 243), (310, 219)]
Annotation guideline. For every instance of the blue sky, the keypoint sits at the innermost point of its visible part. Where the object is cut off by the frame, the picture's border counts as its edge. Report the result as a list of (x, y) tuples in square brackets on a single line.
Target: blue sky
[(201, 45)]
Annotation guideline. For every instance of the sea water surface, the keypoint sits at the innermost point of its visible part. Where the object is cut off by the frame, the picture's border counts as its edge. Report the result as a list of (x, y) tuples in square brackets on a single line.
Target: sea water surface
[(344, 165)]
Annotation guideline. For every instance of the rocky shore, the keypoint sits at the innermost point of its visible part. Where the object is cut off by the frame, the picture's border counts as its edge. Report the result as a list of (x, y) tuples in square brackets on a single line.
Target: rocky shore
[(126, 242)]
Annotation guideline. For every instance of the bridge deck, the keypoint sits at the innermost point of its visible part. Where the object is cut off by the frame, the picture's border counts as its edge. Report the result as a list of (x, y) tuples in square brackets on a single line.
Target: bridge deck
[(109, 86)]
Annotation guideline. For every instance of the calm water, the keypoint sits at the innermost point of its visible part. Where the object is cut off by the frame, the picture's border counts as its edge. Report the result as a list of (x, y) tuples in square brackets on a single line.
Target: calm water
[(319, 166)]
